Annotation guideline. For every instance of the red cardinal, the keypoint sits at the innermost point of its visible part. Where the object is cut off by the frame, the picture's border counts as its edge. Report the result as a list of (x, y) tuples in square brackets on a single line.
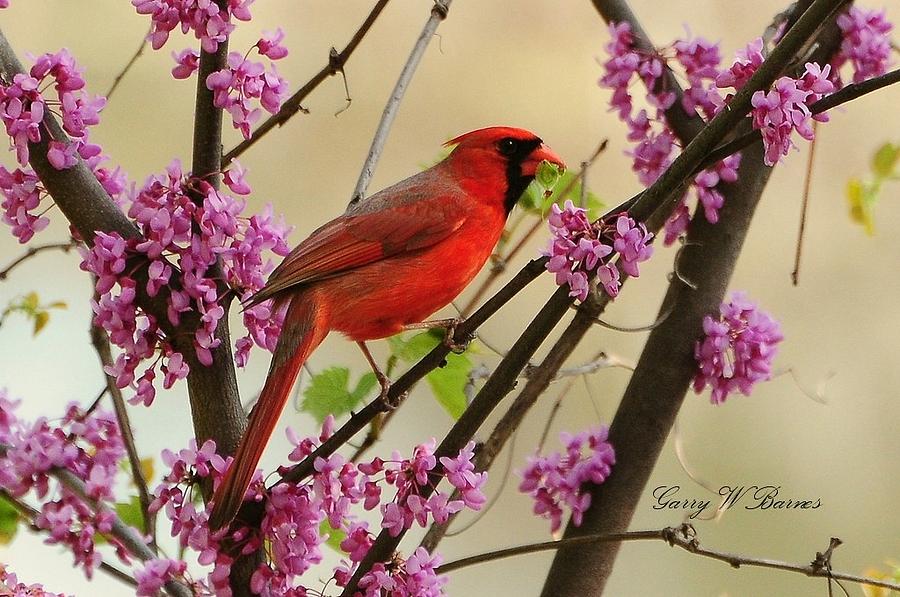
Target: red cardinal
[(388, 262)]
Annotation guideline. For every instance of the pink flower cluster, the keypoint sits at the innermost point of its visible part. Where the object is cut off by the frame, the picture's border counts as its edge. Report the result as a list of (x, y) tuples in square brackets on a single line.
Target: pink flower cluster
[(22, 109), (866, 44), (557, 480), (654, 141), (737, 348), (416, 577), (579, 249), (295, 515), (173, 497), (777, 113), (90, 447), (210, 23), (243, 81), (785, 109), (9, 582), (181, 235)]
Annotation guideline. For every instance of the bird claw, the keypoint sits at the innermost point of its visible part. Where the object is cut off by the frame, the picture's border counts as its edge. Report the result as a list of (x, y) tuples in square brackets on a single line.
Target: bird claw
[(449, 337), (388, 402)]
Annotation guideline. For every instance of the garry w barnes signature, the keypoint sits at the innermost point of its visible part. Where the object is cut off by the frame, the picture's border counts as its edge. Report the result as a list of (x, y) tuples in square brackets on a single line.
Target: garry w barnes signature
[(753, 497)]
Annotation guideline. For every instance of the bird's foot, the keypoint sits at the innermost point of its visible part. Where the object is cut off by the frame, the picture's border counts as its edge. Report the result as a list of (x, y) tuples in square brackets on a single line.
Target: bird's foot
[(449, 326)]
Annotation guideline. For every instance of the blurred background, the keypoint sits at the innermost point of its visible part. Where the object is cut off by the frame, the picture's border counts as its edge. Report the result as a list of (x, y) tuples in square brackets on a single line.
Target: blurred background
[(531, 64)]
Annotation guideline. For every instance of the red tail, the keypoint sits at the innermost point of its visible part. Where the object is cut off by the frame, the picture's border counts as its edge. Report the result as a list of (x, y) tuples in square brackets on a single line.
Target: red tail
[(304, 328)]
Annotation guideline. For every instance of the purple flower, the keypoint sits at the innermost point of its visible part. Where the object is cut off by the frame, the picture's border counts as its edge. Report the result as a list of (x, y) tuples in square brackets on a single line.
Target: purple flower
[(556, 481), (866, 42), (187, 62), (737, 349)]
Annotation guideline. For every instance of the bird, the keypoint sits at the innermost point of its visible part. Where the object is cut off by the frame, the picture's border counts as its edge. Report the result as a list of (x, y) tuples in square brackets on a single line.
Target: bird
[(387, 263)]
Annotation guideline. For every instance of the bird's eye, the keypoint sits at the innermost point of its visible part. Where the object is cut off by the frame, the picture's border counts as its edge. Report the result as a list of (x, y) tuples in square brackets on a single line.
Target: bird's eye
[(508, 146)]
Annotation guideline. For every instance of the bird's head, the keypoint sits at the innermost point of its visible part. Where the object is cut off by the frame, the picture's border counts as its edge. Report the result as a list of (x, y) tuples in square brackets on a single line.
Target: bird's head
[(498, 162)]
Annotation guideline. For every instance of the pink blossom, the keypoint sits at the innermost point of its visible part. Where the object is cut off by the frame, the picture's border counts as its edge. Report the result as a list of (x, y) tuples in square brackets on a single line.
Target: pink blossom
[(558, 480), (737, 348), (579, 249), (187, 62), (155, 573), (270, 44), (866, 43)]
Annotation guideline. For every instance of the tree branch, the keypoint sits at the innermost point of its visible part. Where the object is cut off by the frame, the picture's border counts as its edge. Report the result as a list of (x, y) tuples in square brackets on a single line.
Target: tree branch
[(438, 14), (336, 62), (31, 252), (683, 537)]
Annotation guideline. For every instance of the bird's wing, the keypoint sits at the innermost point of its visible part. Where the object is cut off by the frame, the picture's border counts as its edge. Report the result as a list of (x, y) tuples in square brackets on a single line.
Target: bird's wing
[(382, 228)]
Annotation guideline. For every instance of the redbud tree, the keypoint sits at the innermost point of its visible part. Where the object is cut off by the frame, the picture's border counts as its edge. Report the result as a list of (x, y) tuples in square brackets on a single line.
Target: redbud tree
[(170, 255)]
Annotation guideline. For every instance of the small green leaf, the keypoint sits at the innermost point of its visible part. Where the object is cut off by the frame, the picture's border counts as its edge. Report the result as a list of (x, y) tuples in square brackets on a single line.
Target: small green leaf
[(9, 521), (40, 320), (548, 175), (885, 160), (58, 305), (329, 394), (130, 512), (335, 536)]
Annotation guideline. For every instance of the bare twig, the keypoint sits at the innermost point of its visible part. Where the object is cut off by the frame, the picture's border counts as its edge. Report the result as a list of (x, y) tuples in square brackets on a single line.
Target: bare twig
[(438, 14), (127, 67), (335, 65), (31, 252), (804, 204), (684, 537)]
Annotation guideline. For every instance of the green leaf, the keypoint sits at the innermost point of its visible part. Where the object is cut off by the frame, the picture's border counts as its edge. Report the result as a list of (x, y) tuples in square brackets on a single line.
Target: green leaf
[(448, 382), (130, 512), (329, 393), (9, 521), (885, 160), (548, 175), (335, 536)]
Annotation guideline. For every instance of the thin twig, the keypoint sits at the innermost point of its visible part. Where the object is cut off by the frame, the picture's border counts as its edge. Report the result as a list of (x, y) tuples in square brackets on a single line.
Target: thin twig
[(127, 67), (31, 252), (438, 14), (804, 204), (684, 537), (100, 341), (335, 65)]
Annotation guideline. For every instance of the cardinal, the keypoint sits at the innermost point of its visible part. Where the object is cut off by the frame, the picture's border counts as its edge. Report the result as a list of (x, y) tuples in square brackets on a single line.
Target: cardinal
[(387, 263)]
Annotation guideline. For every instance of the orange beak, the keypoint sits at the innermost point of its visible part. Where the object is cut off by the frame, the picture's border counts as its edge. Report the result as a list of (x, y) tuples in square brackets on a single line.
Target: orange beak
[(540, 154)]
